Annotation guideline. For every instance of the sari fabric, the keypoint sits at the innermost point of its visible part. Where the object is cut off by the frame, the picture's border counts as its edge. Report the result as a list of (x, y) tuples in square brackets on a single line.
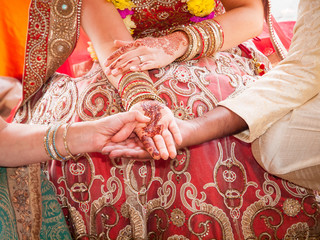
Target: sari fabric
[(215, 190)]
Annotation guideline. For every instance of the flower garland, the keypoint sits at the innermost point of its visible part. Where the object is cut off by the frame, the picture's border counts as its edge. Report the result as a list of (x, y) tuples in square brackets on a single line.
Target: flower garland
[(201, 9)]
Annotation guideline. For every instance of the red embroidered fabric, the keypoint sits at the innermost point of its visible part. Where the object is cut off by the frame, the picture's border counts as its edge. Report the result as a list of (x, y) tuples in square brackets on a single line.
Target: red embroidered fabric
[(215, 190)]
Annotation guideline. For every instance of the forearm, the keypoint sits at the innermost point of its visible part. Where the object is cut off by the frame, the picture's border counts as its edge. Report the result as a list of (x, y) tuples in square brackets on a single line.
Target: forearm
[(22, 144), (243, 20), (103, 24), (290, 84), (217, 123)]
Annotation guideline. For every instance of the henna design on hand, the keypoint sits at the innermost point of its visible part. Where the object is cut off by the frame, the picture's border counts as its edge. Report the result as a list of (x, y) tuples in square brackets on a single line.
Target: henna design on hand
[(153, 128), (169, 44)]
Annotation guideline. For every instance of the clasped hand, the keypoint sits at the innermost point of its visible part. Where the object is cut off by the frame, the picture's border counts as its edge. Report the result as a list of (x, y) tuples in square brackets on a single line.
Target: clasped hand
[(157, 137), (145, 53)]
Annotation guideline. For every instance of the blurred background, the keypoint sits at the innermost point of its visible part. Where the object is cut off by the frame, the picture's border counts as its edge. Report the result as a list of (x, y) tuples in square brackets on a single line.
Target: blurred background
[(284, 10)]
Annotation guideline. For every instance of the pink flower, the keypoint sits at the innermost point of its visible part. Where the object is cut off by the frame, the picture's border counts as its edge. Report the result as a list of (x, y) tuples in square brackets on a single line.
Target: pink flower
[(200, 19), (125, 12)]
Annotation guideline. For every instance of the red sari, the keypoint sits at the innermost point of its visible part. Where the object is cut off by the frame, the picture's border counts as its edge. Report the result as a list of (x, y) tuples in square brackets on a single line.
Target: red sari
[(215, 190)]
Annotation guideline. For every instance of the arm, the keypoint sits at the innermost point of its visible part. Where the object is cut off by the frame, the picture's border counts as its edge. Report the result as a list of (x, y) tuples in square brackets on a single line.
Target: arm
[(290, 84), (217, 123), (242, 21), (103, 24), (22, 144)]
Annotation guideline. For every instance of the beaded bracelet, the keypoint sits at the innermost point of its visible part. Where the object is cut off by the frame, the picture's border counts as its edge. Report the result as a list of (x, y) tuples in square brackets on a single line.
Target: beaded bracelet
[(54, 144), (50, 144)]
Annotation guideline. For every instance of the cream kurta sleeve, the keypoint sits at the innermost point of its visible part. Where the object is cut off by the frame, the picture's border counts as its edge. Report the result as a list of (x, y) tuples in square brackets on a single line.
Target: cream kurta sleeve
[(290, 84)]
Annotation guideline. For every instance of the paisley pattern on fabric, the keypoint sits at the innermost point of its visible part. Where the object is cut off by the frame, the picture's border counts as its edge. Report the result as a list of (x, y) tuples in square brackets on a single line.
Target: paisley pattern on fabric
[(215, 190)]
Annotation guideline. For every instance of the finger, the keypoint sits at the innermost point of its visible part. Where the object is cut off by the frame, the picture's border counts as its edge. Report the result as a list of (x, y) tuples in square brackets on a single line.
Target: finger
[(167, 136), (150, 146), (175, 131), (130, 153), (144, 66), (132, 116), (133, 58), (116, 54), (123, 133), (125, 67), (161, 145), (130, 54), (140, 117)]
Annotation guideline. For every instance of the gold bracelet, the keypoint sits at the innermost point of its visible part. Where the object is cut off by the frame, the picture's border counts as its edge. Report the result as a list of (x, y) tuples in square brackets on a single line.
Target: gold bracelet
[(194, 42), (146, 96), (59, 156), (218, 33), (46, 143), (212, 38), (129, 77), (65, 143), (206, 38), (135, 86)]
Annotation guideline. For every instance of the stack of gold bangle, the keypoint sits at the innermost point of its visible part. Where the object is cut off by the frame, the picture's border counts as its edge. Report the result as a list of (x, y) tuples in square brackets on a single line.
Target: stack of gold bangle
[(205, 39), (50, 143), (135, 87)]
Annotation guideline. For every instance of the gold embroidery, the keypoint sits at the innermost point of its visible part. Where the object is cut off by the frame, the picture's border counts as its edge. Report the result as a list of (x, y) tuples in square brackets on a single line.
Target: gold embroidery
[(235, 191), (177, 237), (215, 214), (298, 231), (77, 222), (98, 100), (178, 217), (52, 35), (291, 207), (125, 234)]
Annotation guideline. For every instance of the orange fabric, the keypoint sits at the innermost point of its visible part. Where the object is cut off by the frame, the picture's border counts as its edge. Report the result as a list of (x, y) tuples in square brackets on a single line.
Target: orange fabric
[(13, 32)]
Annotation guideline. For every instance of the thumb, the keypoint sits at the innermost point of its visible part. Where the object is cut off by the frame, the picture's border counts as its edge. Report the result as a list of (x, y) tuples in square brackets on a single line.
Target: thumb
[(133, 116)]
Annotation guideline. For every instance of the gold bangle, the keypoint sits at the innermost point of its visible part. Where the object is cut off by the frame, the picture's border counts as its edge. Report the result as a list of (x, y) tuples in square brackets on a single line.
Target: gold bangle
[(59, 156), (212, 38), (147, 96), (65, 143), (218, 33), (132, 76), (46, 143), (194, 43), (206, 38)]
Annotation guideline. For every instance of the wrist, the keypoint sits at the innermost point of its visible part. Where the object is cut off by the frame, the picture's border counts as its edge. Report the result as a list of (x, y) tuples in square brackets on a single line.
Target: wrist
[(80, 138), (183, 40)]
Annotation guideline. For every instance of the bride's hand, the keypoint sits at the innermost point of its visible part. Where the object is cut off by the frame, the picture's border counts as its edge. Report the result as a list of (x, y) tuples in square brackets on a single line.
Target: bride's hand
[(146, 53), (161, 134)]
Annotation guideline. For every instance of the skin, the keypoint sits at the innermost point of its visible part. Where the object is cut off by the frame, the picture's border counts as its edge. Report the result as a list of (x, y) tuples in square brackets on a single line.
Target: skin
[(118, 53), (217, 123), (159, 52), (22, 144), (103, 37)]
